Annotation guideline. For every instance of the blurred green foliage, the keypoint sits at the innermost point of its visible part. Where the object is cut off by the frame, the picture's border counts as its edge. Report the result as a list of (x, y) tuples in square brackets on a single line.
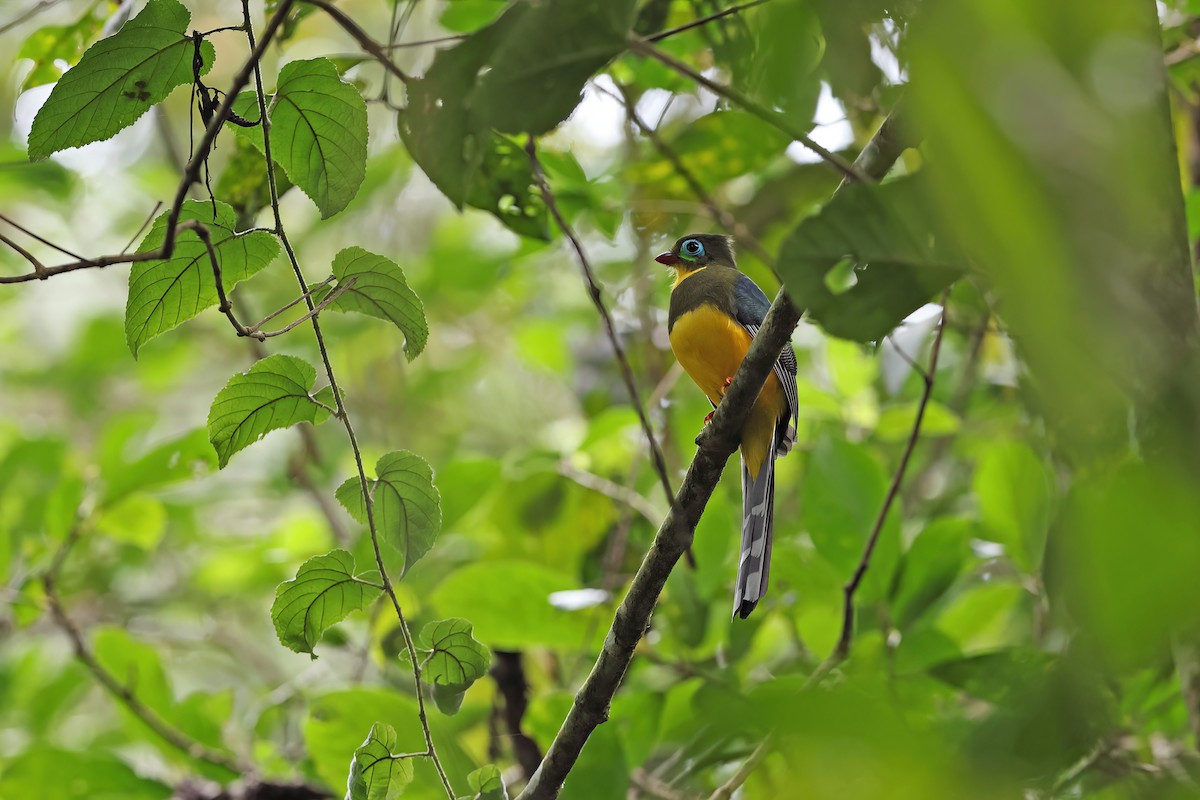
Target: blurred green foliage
[(1028, 621)]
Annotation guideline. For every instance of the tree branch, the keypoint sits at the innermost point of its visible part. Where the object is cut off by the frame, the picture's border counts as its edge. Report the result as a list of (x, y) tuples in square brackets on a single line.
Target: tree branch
[(643, 47), (717, 443), (118, 690), (696, 23), (191, 173), (597, 297), (369, 45)]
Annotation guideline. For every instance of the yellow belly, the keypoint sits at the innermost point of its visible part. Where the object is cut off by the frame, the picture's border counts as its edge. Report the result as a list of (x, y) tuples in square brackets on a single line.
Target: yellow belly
[(710, 346)]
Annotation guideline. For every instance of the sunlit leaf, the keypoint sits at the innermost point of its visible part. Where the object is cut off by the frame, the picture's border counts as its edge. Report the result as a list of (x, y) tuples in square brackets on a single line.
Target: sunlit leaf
[(380, 290), (406, 504), (274, 393), (323, 593), (318, 132), (118, 80), (488, 783), (899, 259), (376, 773), (451, 660), (1014, 491), (164, 293)]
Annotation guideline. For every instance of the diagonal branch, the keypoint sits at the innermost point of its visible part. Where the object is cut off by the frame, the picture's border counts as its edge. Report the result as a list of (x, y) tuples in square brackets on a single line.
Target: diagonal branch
[(594, 292), (696, 23), (716, 443), (119, 691), (369, 45), (851, 172)]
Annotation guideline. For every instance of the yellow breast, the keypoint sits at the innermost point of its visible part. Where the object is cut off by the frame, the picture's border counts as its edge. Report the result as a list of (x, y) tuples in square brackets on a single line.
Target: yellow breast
[(710, 346)]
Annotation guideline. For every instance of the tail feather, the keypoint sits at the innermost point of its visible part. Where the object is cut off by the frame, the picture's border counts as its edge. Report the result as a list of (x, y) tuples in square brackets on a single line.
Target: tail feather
[(758, 523)]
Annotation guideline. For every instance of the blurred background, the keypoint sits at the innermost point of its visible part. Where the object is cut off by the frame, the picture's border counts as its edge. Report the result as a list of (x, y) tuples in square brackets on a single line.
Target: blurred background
[(1026, 624)]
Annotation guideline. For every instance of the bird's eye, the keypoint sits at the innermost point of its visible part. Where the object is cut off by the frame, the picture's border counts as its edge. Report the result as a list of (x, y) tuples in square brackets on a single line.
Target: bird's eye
[(693, 247)]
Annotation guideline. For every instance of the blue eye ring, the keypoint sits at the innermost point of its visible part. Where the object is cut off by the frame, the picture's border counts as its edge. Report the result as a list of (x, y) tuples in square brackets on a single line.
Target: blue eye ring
[(693, 247)]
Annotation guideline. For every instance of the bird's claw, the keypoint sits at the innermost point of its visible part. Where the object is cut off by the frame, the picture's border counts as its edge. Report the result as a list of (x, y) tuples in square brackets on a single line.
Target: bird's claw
[(708, 417)]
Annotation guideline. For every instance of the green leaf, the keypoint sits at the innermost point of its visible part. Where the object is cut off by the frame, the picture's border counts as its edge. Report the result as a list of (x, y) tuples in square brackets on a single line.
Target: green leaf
[(509, 604), (1013, 487), (931, 565), (376, 773), (778, 65), (454, 661), (455, 657), (407, 508), (118, 80), (487, 783), (323, 593), (272, 394), (38, 772), (380, 291), (899, 260), (539, 65), (318, 132), (48, 46), (165, 293), (333, 729), (715, 148), (896, 423), (521, 74)]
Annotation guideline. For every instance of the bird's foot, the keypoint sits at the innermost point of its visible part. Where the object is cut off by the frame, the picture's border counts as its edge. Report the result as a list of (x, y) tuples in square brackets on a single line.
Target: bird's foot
[(708, 417), (728, 382)]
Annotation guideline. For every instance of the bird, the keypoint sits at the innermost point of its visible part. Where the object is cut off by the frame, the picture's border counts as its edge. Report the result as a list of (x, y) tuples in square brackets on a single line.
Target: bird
[(715, 312)]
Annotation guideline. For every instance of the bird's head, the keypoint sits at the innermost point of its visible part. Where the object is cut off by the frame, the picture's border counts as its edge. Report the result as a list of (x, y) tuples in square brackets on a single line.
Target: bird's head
[(698, 250)]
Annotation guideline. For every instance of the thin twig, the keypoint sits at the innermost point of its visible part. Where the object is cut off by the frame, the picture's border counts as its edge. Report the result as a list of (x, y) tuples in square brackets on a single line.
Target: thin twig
[(191, 172), (334, 295), (726, 790), (454, 37), (119, 691), (650, 784), (46, 242), (842, 650), (597, 297), (364, 39), (611, 489), (295, 302), (723, 218), (696, 23), (342, 414), (146, 224), (28, 14), (717, 443), (643, 47), (39, 269)]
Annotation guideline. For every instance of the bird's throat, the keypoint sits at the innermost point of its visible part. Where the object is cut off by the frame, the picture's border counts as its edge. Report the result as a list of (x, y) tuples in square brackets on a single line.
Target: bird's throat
[(685, 271)]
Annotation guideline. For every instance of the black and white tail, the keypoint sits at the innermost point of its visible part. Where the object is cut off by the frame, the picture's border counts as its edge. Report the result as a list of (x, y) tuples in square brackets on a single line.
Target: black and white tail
[(758, 522)]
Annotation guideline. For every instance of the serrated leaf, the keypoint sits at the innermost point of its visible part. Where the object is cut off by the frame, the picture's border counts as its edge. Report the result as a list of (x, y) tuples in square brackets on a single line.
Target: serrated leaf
[(376, 773), (318, 132), (118, 80), (487, 783), (48, 46), (380, 291), (407, 507), (323, 593), (900, 261), (165, 293), (274, 393)]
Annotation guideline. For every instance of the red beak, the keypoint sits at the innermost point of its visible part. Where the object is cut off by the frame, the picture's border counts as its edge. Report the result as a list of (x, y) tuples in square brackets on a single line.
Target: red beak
[(668, 258)]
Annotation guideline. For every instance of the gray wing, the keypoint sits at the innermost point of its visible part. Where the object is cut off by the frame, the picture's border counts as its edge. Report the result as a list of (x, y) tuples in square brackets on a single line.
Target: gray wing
[(752, 304)]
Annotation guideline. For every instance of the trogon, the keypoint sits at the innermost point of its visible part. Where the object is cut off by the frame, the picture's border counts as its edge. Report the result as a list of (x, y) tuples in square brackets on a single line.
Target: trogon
[(716, 311)]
